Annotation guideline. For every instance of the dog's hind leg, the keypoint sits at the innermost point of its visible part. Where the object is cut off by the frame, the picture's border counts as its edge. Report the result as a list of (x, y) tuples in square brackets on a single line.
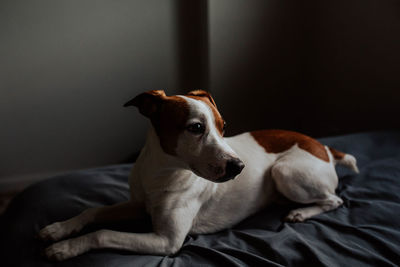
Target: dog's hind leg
[(305, 179), (301, 214)]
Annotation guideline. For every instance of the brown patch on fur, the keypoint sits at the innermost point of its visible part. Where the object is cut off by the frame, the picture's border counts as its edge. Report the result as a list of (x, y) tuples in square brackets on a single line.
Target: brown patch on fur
[(203, 93), (147, 102), (338, 155), (207, 99), (168, 115), (276, 141), (170, 122)]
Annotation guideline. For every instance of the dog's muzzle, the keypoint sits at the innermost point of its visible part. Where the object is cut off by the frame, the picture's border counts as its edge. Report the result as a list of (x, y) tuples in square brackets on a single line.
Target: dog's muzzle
[(232, 169)]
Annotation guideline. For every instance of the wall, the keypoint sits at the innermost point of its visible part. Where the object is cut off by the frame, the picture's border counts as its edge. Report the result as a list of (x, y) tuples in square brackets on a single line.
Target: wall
[(320, 67), (66, 69)]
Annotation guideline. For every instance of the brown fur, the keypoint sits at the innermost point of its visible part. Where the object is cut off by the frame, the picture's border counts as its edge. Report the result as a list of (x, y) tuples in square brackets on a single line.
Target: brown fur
[(170, 122), (207, 99), (168, 114), (276, 141), (338, 155)]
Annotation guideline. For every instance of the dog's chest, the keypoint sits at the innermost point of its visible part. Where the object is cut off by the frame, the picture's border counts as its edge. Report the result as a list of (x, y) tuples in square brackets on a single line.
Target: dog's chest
[(239, 198)]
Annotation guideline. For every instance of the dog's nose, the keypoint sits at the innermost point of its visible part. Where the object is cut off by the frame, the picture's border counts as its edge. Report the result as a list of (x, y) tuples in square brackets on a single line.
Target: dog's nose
[(233, 168)]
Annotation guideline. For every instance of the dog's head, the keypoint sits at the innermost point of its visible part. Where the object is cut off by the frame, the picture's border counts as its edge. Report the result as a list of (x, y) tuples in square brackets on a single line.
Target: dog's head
[(190, 128)]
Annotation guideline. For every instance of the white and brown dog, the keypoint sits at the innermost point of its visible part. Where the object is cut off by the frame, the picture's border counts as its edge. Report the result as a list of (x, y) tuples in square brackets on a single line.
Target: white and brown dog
[(190, 179)]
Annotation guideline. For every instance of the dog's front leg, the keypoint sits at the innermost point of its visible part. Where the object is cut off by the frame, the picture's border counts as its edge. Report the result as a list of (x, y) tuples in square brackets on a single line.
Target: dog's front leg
[(117, 212), (170, 230)]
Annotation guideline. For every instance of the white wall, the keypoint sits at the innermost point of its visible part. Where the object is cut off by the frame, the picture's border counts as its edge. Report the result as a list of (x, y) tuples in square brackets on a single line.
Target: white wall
[(66, 69)]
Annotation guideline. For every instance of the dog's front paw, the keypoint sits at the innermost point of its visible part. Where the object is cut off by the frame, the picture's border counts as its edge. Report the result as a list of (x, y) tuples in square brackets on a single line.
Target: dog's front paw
[(68, 248), (295, 216), (61, 251), (55, 231)]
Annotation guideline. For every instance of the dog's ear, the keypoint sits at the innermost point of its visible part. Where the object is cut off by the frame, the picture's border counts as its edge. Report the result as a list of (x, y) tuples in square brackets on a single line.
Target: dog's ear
[(202, 93), (148, 102)]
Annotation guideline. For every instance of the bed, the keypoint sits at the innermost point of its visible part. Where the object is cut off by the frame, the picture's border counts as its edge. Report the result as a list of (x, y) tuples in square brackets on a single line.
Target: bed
[(364, 231)]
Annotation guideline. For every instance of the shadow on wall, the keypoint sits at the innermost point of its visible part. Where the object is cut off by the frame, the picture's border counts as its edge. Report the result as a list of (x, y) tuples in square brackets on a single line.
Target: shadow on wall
[(319, 67)]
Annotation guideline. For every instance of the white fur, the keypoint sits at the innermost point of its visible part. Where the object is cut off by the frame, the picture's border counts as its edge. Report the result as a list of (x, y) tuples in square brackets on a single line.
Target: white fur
[(212, 150), (181, 202)]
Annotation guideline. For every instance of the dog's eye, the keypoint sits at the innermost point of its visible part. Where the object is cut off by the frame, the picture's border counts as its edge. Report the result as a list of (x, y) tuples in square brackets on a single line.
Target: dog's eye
[(223, 129), (196, 128)]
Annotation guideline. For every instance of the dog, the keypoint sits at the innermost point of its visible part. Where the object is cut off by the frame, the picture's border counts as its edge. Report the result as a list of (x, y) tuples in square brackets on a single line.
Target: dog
[(192, 180)]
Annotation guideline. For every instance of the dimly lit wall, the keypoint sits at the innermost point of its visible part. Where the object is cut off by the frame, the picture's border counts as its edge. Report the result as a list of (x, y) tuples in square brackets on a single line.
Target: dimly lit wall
[(66, 69), (320, 67)]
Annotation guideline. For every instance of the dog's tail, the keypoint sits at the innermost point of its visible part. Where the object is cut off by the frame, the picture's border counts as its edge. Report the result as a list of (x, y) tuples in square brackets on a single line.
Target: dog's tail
[(344, 159)]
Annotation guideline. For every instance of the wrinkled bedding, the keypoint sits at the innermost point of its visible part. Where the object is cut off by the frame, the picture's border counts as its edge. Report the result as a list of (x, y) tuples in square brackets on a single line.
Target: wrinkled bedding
[(364, 231)]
